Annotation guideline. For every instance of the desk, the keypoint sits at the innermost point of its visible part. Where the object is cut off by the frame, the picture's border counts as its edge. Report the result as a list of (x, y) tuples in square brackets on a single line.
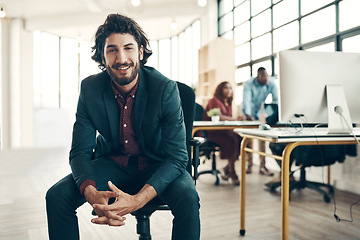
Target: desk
[(223, 125), (308, 136)]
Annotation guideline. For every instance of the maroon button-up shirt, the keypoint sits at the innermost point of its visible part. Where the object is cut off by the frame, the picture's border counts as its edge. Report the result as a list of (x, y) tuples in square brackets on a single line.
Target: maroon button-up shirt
[(129, 146)]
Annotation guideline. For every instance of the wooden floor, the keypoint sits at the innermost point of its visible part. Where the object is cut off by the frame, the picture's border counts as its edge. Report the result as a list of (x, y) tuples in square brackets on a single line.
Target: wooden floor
[(26, 174)]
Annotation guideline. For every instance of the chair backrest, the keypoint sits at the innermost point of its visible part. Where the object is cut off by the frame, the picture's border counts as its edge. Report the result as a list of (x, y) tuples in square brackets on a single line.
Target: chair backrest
[(199, 112), (187, 97)]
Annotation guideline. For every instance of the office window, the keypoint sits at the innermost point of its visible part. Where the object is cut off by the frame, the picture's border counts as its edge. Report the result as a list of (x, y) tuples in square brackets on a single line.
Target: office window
[(181, 57), (259, 5), (237, 2), (175, 58), (242, 74), (284, 12), (297, 24), (349, 14), (351, 44), (87, 65), (37, 69), (286, 37), (226, 23), (225, 6), (59, 66), (69, 72), (242, 33), (318, 25), (188, 63), (165, 57), (308, 6), (228, 35), (261, 46), (196, 37), (153, 60), (242, 13), (329, 47), (49, 71), (261, 23), (242, 53)]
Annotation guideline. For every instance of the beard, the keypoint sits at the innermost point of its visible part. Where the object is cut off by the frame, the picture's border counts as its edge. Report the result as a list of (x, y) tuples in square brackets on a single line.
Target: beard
[(122, 79)]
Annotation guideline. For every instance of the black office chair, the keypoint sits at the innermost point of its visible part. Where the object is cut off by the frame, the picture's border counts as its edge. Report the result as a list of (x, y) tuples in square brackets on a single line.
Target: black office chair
[(207, 149), (307, 156), (142, 215)]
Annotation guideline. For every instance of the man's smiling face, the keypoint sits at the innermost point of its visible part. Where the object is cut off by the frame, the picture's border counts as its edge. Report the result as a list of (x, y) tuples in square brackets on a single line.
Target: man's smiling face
[(122, 57)]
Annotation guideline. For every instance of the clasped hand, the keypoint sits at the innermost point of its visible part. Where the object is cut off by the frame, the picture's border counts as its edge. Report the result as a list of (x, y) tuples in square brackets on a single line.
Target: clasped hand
[(113, 214)]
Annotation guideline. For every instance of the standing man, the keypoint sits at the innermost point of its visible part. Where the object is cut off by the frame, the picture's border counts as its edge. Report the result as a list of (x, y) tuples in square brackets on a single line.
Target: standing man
[(256, 90), (128, 141)]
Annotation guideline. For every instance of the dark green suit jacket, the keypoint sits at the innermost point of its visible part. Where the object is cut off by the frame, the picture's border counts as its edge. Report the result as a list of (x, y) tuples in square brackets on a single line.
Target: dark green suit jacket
[(158, 123)]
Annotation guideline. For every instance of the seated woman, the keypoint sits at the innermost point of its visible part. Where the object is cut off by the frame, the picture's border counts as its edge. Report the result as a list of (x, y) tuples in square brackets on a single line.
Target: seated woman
[(228, 140)]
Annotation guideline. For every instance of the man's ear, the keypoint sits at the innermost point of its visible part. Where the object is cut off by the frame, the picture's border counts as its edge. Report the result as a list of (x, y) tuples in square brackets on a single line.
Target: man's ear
[(141, 53), (103, 59)]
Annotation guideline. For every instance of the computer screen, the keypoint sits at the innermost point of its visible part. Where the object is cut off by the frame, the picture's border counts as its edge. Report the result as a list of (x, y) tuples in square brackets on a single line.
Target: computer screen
[(303, 77)]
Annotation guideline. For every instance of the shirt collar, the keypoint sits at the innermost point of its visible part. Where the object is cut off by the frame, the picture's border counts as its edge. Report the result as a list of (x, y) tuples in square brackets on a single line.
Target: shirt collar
[(115, 85)]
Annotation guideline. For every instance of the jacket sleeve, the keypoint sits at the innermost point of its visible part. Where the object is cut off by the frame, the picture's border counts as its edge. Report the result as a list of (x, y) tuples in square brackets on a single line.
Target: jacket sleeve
[(173, 140), (83, 143)]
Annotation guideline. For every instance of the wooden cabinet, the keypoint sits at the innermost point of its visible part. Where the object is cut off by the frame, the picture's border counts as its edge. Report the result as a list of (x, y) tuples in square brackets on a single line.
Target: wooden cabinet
[(216, 64)]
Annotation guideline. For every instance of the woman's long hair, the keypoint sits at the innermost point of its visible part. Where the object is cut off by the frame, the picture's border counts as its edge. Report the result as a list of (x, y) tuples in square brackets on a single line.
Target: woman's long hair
[(219, 92)]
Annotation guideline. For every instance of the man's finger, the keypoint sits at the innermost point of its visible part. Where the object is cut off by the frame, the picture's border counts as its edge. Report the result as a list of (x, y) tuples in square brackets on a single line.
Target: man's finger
[(111, 222), (114, 188), (109, 194), (103, 207), (100, 220), (116, 223), (112, 215)]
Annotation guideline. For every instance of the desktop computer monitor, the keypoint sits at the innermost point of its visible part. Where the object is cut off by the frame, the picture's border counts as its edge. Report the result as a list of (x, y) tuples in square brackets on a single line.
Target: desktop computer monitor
[(320, 87)]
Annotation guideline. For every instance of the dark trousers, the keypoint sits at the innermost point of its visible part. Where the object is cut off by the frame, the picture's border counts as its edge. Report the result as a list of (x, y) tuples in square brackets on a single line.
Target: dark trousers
[(64, 198)]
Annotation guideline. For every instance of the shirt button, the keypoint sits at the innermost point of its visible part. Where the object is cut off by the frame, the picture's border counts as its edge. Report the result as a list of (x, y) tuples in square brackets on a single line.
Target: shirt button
[(125, 107), (125, 125), (126, 141), (133, 96)]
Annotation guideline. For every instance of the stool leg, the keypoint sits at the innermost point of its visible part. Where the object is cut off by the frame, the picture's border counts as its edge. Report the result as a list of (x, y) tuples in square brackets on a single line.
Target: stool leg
[(143, 227)]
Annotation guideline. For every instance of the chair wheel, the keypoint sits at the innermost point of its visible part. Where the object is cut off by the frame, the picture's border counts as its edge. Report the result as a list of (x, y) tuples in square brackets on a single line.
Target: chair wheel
[(326, 198), (272, 189)]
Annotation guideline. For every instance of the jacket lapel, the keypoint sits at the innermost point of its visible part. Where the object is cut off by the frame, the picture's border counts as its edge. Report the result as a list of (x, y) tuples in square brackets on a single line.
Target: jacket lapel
[(113, 113), (140, 105)]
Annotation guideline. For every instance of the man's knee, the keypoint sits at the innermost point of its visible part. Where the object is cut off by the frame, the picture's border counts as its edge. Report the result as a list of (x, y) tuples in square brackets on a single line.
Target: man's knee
[(63, 193), (185, 193)]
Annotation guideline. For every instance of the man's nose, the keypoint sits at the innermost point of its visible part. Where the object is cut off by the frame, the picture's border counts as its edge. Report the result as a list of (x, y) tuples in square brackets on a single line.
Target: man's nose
[(121, 57)]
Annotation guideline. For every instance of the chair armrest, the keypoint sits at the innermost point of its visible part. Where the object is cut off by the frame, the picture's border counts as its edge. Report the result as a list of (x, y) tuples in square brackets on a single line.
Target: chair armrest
[(195, 143)]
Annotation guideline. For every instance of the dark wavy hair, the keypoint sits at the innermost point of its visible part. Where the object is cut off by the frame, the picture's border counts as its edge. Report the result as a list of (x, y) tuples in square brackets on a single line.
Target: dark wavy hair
[(219, 92), (117, 23)]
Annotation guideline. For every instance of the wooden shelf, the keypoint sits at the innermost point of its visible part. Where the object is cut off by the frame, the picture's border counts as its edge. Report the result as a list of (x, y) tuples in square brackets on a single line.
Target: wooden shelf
[(216, 64)]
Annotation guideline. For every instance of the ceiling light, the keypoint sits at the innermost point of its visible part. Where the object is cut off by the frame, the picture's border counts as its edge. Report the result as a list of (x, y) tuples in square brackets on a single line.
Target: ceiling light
[(202, 3), (173, 25), (2, 12), (135, 3)]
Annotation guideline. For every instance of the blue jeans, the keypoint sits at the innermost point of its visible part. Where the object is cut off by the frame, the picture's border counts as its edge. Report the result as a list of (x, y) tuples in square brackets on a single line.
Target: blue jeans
[(64, 198)]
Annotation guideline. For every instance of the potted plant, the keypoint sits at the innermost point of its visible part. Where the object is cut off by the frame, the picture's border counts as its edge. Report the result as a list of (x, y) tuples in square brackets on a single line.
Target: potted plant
[(214, 114)]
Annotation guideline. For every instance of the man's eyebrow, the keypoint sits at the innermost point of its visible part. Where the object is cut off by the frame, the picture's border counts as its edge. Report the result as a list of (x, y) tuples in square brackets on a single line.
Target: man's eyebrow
[(115, 46), (129, 44), (110, 46)]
